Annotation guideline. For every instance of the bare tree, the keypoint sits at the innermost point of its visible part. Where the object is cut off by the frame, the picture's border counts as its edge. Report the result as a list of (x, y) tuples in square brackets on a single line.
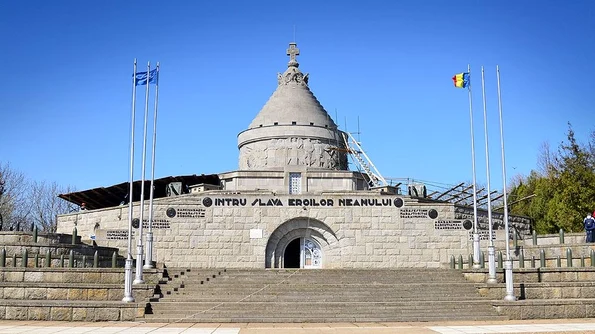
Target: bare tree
[(14, 208), (547, 161), (46, 205)]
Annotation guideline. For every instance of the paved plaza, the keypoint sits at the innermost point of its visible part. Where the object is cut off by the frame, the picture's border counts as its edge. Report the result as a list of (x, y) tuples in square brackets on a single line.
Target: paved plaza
[(534, 326)]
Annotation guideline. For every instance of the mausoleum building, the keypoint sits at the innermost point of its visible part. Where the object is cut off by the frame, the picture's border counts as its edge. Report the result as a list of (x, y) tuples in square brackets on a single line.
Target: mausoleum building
[(292, 203)]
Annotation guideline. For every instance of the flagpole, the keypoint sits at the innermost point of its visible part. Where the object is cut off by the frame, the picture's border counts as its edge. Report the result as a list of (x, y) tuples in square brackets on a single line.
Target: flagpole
[(149, 253), (508, 263), (139, 246), (128, 298), (491, 250), (476, 253)]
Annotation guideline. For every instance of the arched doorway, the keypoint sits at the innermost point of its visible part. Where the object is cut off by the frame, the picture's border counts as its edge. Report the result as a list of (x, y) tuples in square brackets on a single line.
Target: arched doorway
[(301, 242), (302, 253)]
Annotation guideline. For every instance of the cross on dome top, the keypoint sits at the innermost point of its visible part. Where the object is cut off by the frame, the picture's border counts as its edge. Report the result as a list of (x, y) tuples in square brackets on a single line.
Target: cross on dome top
[(292, 52)]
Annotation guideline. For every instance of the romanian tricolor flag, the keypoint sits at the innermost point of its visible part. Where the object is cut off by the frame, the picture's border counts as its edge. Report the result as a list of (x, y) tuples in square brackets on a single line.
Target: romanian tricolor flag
[(461, 80)]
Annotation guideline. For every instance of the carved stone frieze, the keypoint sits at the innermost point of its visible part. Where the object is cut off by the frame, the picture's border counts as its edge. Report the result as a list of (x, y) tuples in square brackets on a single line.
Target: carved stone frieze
[(292, 152)]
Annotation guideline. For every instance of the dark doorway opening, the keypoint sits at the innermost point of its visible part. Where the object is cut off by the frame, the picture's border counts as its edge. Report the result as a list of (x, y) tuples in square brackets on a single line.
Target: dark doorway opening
[(291, 258)]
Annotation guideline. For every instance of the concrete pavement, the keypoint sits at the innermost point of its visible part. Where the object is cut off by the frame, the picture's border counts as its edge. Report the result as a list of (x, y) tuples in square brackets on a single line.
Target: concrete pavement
[(533, 326)]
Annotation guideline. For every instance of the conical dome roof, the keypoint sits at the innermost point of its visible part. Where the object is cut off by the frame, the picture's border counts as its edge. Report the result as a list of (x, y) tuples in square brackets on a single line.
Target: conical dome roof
[(292, 102), (292, 128)]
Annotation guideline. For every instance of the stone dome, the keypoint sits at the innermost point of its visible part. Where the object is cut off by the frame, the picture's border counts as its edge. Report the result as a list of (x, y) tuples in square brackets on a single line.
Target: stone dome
[(292, 128)]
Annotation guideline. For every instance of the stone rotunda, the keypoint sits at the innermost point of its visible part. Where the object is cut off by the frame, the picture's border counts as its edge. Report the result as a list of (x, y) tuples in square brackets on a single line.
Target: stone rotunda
[(292, 129), (293, 140)]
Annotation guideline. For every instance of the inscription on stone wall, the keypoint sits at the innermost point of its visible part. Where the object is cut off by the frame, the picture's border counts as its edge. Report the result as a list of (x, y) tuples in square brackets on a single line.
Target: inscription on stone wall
[(157, 223), (414, 213), (448, 225), (116, 234), (518, 223), (380, 201), (191, 213), (483, 235)]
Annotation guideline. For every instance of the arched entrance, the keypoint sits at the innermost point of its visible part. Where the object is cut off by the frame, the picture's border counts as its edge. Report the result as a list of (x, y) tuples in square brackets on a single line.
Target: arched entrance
[(302, 253), (301, 242)]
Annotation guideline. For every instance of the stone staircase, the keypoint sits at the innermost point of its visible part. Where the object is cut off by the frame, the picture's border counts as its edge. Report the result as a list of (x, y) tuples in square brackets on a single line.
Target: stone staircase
[(277, 295)]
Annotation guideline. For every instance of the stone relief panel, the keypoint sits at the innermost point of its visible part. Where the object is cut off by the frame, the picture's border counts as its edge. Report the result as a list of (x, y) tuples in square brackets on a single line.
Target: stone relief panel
[(292, 152)]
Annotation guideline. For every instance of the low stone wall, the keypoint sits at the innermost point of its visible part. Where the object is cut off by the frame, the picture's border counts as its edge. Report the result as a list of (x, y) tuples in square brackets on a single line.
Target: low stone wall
[(534, 291), (70, 311), (546, 309), (72, 291), (535, 275), (73, 275), (16, 237), (72, 294)]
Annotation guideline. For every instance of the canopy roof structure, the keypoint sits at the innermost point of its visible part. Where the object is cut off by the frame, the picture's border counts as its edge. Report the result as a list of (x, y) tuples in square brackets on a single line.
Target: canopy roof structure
[(105, 197)]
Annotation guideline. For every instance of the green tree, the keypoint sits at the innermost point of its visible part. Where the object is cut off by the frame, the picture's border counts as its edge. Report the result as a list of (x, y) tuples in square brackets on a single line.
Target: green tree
[(562, 192), (574, 194)]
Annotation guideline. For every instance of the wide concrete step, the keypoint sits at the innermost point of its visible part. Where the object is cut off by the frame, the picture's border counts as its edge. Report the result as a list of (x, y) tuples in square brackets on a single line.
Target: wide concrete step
[(323, 319), (319, 296)]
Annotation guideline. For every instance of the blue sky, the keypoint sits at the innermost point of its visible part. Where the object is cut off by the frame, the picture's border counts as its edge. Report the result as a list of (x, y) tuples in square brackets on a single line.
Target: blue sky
[(65, 95)]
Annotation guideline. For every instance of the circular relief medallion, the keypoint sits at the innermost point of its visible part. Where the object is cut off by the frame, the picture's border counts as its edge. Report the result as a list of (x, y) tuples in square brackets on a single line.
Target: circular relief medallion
[(433, 213), (467, 224), (171, 212), (398, 202), (207, 201), (135, 222)]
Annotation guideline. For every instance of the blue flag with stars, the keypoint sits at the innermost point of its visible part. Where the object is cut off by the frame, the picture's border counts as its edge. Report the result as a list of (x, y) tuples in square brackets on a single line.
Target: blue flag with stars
[(140, 78)]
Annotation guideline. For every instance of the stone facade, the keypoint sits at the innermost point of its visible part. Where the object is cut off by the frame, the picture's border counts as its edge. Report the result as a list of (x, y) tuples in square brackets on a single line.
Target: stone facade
[(356, 229)]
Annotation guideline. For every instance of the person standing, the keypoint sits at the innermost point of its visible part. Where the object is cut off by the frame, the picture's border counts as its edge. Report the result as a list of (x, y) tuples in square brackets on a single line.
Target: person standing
[(589, 224)]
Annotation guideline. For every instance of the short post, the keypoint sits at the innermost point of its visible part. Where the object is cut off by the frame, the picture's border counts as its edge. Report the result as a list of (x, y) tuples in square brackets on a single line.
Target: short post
[(534, 238), (460, 262), (515, 239), (558, 261), (3, 258), (48, 259), (522, 259), (499, 259), (25, 258), (36, 264), (582, 261), (542, 258), (61, 260), (74, 232), (482, 260), (532, 261), (561, 236), (84, 261), (568, 257), (96, 260), (115, 258), (470, 261), (452, 261), (35, 234), (14, 259), (592, 255), (71, 259)]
